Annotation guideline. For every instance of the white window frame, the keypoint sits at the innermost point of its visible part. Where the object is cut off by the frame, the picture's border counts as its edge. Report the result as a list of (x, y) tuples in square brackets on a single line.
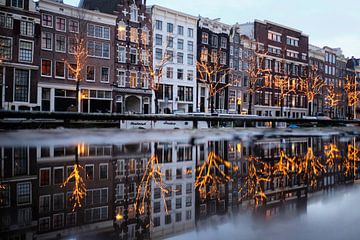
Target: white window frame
[(64, 24), (32, 51), (56, 35), (118, 78), (86, 77), (52, 20), (60, 77), (101, 77), (63, 175), (52, 41), (107, 171), (11, 47)]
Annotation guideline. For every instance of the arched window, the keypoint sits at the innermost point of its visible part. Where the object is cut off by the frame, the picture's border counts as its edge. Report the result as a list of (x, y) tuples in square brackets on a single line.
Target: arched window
[(133, 13)]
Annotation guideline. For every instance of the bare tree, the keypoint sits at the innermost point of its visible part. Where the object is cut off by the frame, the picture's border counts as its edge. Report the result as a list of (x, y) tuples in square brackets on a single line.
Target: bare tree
[(332, 98), (153, 73), (77, 47), (311, 85), (253, 60), (213, 74), (352, 93)]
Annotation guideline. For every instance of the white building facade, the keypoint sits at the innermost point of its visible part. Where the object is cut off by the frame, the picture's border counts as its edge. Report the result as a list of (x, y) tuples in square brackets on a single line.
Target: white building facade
[(174, 38)]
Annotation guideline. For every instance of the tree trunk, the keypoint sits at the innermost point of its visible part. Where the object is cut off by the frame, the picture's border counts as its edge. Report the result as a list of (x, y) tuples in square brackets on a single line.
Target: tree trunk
[(78, 101), (212, 104), (250, 103), (156, 102)]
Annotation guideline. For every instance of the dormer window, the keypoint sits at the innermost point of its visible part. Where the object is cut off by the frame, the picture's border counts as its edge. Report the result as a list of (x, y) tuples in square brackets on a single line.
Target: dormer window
[(133, 13)]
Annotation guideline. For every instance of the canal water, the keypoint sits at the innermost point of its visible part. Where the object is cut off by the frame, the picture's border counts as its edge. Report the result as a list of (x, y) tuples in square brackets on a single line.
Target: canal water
[(193, 184)]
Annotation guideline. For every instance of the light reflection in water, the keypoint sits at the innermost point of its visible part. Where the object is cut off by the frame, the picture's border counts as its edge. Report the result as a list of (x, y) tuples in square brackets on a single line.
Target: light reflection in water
[(151, 190)]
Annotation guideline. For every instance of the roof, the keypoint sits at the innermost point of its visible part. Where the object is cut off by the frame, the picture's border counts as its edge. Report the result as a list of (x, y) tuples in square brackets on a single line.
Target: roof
[(108, 6)]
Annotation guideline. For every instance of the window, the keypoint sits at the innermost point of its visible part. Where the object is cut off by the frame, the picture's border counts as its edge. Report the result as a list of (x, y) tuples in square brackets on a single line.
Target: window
[(89, 169), (103, 168), (190, 75), (188, 188), (205, 38), (44, 177), (133, 56), (158, 39), (60, 24), (188, 215), (46, 68), (214, 41), (44, 224), (27, 28), (5, 48), (144, 81), (105, 74), (121, 78), (169, 73), (156, 221), (58, 220), (133, 35), (158, 53), (6, 20), (133, 79), (17, 3), (292, 41), (60, 69), (168, 219), (190, 32), (180, 30), (170, 42), (47, 20), (60, 43), (133, 13), (169, 92), (58, 175), (180, 74), (170, 55), (157, 207), (122, 54), (90, 73), (158, 25), (71, 73), (21, 85), (223, 42), (44, 204), (97, 31), (204, 55), (71, 219), (25, 51), (119, 192), (178, 203), (190, 46), (23, 193), (170, 28), (72, 43), (223, 58), (180, 58), (274, 36), (190, 59), (73, 26), (179, 173), (5, 196), (121, 31), (46, 40), (97, 49), (58, 201), (180, 44)]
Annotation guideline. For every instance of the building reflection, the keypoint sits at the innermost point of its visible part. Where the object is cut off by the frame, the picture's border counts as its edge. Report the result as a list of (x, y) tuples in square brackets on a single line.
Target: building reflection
[(129, 195)]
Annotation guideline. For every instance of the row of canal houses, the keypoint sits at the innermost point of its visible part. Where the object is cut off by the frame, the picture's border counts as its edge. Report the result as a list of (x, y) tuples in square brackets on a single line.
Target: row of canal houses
[(127, 40), (35, 205)]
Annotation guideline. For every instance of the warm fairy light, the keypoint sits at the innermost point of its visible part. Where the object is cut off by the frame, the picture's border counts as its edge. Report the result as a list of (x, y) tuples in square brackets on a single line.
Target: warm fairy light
[(213, 74), (152, 173), (210, 174), (119, 217), (312, 84), (258, 174), (332, 98), (332, 153), (79, 189)]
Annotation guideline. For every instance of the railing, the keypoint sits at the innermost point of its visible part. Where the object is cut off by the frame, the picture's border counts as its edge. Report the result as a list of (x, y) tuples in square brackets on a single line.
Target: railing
[(67, 117)]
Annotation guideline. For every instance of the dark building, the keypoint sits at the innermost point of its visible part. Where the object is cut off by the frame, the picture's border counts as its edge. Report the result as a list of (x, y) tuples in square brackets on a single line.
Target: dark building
[(132, 93), (19, 46), (286, 55), (213, 45), (63, 27)]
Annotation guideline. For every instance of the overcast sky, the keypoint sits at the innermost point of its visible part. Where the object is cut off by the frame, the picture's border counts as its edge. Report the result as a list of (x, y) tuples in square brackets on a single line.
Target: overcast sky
[(332, 23)]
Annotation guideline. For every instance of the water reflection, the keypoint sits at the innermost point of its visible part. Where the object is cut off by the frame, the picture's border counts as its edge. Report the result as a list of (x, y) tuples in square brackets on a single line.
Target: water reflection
[(159, 189)]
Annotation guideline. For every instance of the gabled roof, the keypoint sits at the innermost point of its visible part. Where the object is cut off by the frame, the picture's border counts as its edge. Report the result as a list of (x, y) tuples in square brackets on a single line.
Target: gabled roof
[(105, 6)]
